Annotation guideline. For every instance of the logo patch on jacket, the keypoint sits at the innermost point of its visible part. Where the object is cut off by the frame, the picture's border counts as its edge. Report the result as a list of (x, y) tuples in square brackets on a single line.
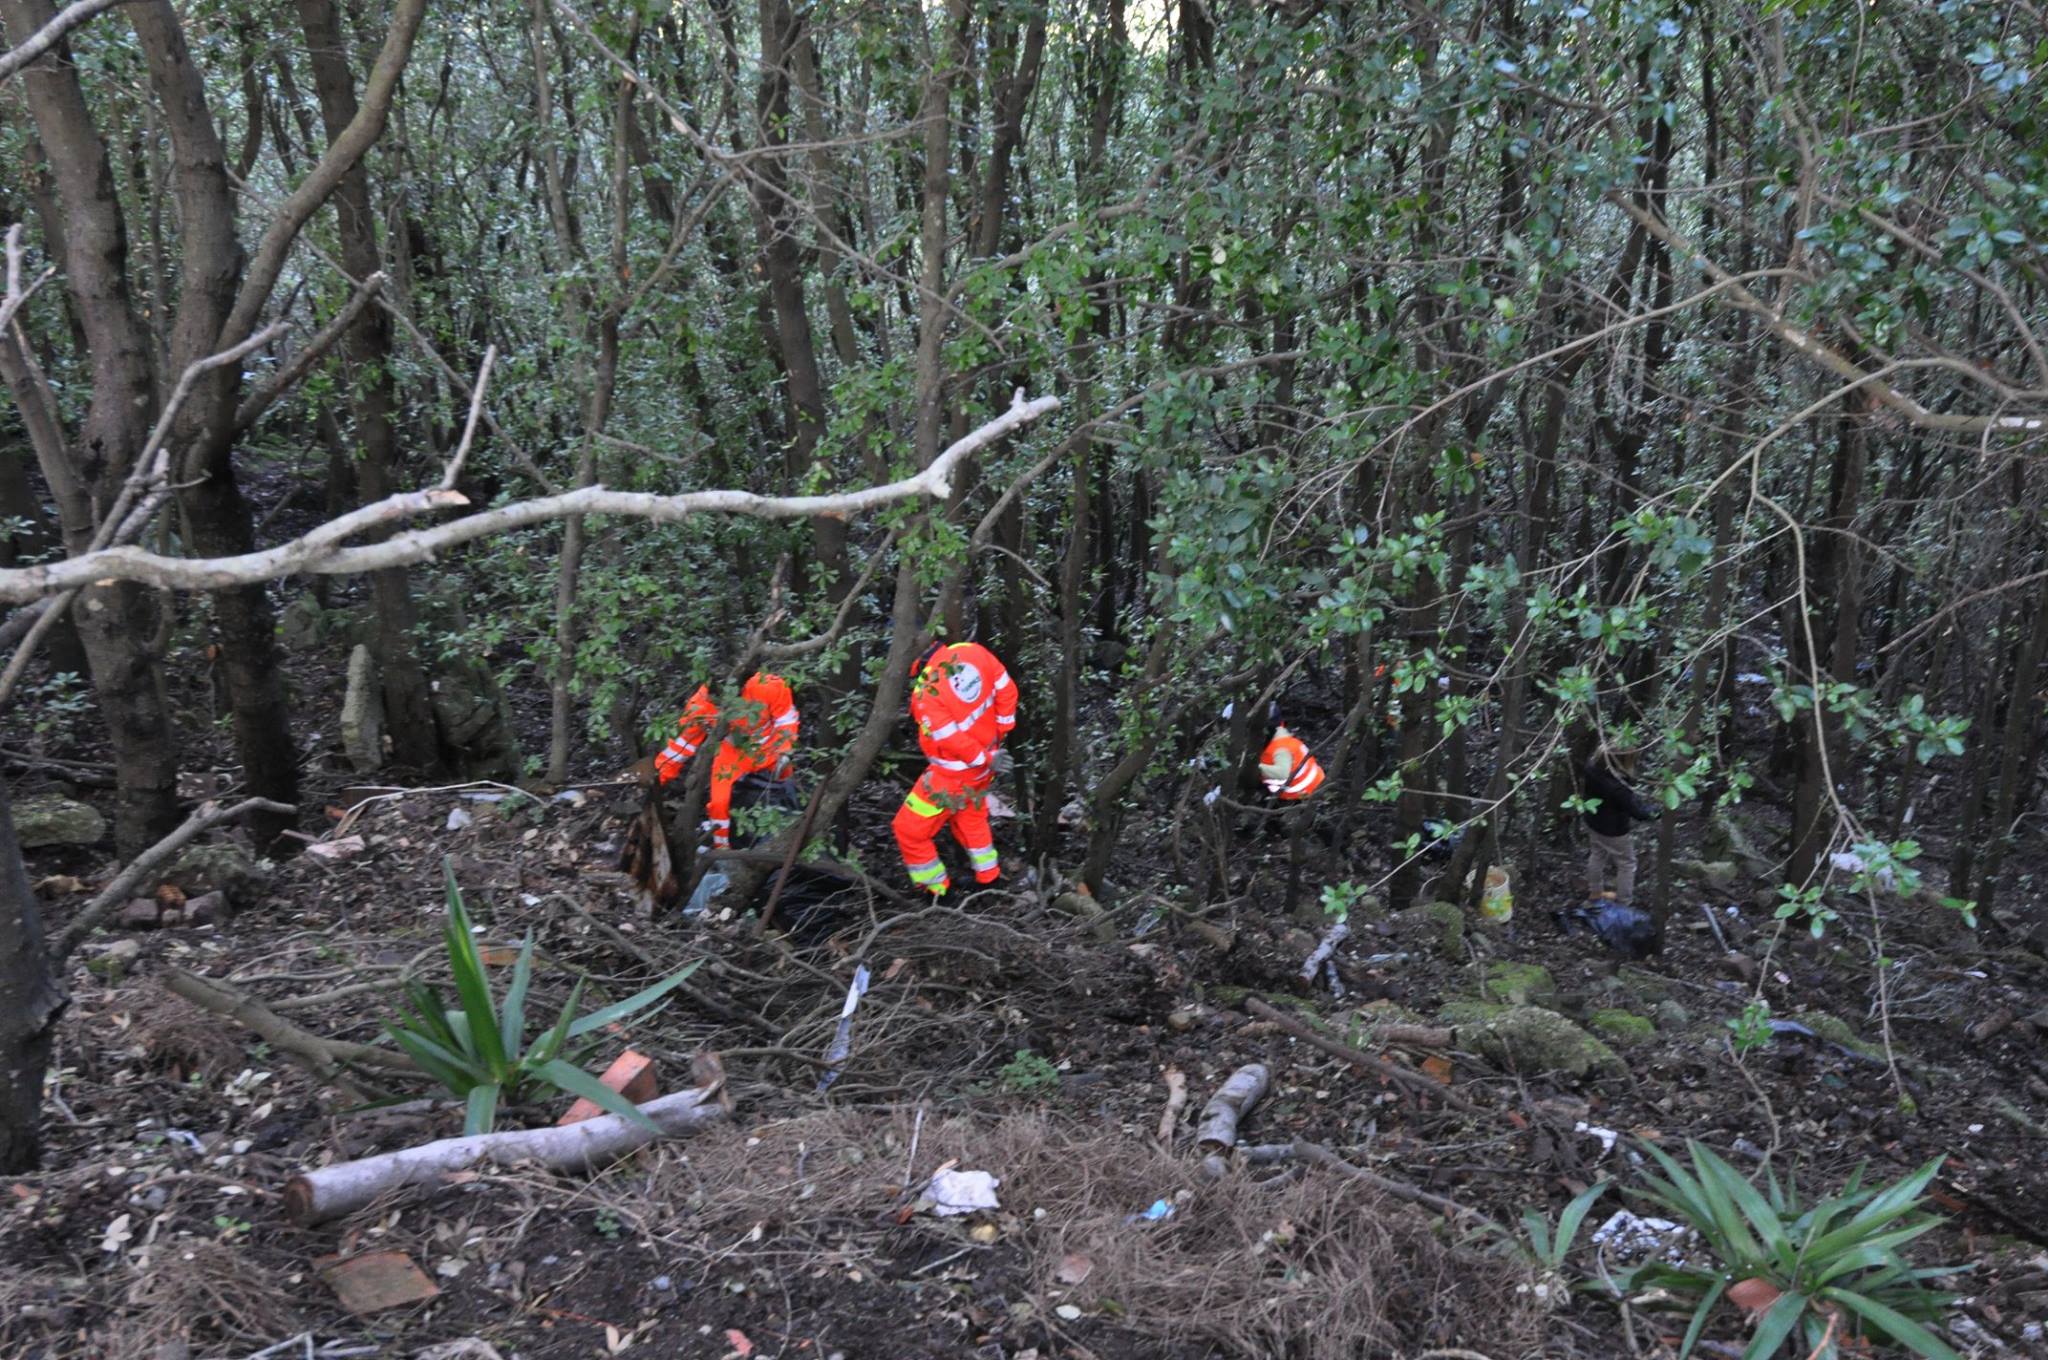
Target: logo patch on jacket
[(966, 682)]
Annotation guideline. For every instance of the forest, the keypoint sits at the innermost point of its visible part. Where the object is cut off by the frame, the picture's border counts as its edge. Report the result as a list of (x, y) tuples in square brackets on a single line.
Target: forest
[(1170, 679)]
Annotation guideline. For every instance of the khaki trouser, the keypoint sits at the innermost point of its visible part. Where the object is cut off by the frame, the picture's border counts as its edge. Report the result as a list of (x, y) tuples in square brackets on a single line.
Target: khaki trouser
[(1618, 851)]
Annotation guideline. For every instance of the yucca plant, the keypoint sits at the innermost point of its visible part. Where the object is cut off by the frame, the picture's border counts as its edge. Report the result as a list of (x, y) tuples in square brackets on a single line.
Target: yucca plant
[(478, 1050), (1825, 1273)]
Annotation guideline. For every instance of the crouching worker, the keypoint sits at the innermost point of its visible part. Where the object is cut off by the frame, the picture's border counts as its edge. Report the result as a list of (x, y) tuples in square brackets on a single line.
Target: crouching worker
[(1605, 778), (1290, 772), (760, 736), (964, 706)]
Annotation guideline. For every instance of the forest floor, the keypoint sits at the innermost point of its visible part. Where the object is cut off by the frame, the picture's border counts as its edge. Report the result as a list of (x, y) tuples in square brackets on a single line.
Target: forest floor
[(796, 1229)]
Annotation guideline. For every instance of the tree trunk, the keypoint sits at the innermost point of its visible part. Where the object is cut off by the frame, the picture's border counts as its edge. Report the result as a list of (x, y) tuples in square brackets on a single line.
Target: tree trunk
[(31, 998), (408, 708)]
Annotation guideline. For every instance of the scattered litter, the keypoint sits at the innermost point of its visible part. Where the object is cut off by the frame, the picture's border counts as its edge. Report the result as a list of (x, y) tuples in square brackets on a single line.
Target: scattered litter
[(1374, 960), (1229, 709), (185, 1138), (1074, 1268), (1067, 1312), (485, 797), (348, 847), (1630, 1236), (997, 808), (459, 818), (376, 1280), (1497, 903), (573, 797), (714, 882), (1749, 678), (1157, 1212), (1849, 862), (1209, 798), (961, 1192), (1147, 923), (1607, 1137), (1628, 931), (739, 1341), (842, 1040)]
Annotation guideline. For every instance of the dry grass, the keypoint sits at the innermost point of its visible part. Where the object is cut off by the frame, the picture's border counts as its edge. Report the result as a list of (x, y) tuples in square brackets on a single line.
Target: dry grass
[(1310, 1268), (197, 1289)]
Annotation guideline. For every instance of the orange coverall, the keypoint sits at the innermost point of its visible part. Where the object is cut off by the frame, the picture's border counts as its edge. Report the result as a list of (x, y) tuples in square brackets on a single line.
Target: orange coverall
[(759, 737), (1288, 769), (964, 705)]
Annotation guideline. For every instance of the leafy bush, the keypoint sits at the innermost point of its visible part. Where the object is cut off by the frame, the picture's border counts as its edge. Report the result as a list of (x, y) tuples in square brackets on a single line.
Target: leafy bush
[(1826, 1273), (478, 1049)]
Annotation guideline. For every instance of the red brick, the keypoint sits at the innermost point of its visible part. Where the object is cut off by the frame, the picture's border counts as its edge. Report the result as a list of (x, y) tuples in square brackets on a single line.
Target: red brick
[(631, 1075)]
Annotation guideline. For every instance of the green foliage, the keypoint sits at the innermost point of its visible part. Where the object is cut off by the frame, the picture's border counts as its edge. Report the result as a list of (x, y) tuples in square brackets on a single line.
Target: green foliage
[(1027, 1072), (1752, 1029), (1339, 898), (1834, 1264), (1545, 1246), (478, 1049)]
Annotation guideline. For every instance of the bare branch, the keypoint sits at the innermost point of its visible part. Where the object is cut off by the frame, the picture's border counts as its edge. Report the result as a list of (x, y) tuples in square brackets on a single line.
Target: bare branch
[(1838, 364), (116, 892), (324, 551), (52, 33), (476, 406), (301, 363)]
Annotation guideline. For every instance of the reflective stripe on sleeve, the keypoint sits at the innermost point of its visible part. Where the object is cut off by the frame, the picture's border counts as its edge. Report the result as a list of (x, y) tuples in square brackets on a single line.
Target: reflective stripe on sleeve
[(1002, 681), (788, 719), (960, 764)]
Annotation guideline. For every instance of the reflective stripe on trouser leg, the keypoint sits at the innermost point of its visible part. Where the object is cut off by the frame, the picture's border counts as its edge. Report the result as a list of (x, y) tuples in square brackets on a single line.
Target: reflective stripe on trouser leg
[(917, 822), (977, 838)]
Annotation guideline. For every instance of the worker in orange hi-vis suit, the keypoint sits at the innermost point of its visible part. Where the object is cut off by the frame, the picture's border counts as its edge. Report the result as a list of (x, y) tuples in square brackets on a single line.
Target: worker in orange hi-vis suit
[(965, 706), (760, 736), (1290, 772)]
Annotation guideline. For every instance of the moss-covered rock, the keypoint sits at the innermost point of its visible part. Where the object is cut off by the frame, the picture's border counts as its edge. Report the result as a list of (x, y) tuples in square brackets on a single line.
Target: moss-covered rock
[(1837, 1031), (1672, 1018), (1388, 1012), (1623, 1029), (1464, 1011), (52, 819), (1449, 921), (1517, 983), (1532, 1039), (221, 867)]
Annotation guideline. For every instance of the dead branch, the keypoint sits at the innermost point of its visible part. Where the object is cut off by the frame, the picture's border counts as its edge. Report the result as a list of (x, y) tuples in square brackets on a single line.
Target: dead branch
[(115, 893), (301, 363), (331, 1191), (1337, 1048), (324, 551), (326, 1057), (52, 33), (1176, 1101), (1321, 1156)]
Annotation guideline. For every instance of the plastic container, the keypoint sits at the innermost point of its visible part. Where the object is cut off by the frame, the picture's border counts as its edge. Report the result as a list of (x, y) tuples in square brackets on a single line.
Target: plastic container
[(1497, 903)]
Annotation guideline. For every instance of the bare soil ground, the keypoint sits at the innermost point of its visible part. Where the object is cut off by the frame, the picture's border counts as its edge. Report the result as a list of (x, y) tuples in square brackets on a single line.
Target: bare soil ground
[(796, 1230)]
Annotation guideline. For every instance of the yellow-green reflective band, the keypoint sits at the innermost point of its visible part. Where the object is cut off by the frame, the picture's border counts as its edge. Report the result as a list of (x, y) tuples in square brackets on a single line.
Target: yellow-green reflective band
[(927, 873), (983, 859), (920, 806)]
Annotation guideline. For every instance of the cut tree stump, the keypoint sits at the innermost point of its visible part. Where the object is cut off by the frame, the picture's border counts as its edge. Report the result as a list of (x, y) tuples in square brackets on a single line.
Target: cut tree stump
[(331, 1191)]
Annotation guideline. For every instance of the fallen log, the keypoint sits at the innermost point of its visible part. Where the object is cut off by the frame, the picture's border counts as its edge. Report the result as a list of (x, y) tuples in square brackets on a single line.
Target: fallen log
[(1337, 1048), (331, 1191), (1217, 1133)]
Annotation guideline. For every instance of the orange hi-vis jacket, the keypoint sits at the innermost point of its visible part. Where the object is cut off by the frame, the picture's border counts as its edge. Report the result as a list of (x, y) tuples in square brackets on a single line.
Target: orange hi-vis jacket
[(760, 736), (1288, 769), (964, 705)]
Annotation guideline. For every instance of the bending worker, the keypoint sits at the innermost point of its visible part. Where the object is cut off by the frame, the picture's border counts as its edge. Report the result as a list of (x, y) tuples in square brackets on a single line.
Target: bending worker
[(760, 736), (1290, 772), (964, 706)]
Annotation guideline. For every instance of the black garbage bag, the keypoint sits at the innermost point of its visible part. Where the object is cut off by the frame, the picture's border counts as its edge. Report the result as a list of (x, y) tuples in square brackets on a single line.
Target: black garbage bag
[(762, 790), (1627, 930)]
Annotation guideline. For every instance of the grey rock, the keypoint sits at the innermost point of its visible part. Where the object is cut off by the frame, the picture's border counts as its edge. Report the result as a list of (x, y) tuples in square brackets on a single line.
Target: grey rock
[(362, 712), (1672, 1017), (302, 625), (474, 721), (52, 819), (221, 867), (1531, 1039), (114, 961)]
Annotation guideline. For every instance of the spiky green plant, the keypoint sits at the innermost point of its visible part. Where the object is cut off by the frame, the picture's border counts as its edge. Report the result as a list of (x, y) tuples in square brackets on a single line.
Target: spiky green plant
[(1823, 1273), (477, 1049)]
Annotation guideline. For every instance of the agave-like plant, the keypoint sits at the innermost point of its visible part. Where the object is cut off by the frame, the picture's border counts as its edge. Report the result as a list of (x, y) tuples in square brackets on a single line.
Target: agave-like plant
[(1827, 1273), (478, 1050)]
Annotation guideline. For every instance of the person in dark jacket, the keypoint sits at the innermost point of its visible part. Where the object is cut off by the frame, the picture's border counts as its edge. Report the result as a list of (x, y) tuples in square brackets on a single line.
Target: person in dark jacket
[(1605, 777)]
